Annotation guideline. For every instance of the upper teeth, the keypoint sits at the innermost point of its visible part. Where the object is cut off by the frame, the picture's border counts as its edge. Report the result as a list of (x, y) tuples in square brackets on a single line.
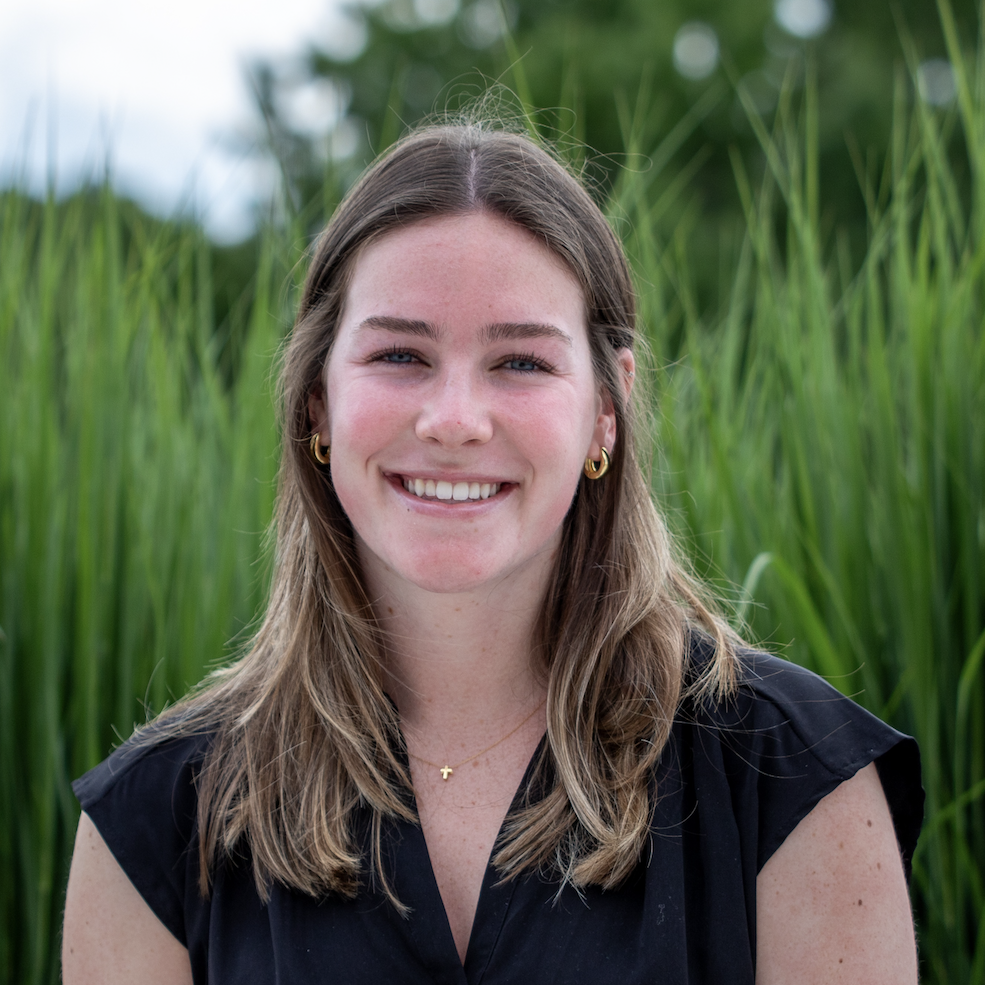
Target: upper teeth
[(460, 491)]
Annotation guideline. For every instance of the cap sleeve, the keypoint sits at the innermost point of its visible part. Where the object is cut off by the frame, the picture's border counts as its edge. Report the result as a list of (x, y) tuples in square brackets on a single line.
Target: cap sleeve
[(804, 738), (142, 801)]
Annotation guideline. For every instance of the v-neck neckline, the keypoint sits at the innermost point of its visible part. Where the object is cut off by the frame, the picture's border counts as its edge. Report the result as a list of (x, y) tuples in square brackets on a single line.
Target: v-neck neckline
[(417, 886)]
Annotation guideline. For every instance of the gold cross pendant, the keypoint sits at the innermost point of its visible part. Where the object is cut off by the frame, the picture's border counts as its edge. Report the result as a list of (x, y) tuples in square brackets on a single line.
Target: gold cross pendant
[(445, 771)]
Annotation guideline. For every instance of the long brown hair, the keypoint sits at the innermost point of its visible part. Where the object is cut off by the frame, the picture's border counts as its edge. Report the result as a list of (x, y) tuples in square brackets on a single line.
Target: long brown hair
[(304, 735)]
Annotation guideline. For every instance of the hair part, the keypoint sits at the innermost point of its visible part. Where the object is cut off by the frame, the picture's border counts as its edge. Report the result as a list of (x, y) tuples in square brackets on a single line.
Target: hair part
[(306, 740)]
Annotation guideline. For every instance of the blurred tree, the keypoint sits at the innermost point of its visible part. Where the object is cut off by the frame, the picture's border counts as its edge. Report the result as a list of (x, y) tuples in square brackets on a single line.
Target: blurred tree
[(390, 64), (620, 75)]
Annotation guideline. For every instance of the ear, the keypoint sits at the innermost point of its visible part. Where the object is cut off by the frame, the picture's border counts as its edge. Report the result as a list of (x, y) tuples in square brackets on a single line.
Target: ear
[(627, 363), (604, 435), (318, 411)]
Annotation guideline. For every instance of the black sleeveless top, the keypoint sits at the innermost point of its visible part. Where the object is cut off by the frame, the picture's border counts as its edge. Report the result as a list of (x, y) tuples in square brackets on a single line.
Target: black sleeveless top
[(734, 781)]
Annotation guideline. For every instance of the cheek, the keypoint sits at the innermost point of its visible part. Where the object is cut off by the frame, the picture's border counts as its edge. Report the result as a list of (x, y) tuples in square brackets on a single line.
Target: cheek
[(361, 417), (558, 430), (554, 443)]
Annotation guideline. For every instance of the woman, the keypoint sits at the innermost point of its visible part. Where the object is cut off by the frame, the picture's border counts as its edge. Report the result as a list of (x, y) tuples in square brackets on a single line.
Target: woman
[(489, 729)]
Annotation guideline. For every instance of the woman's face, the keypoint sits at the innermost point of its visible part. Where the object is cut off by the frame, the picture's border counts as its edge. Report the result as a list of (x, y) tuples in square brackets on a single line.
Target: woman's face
[(460, 403)]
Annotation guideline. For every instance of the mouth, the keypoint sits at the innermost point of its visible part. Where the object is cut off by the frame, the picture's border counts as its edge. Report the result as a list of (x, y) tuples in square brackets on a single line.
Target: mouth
[(441, 489)]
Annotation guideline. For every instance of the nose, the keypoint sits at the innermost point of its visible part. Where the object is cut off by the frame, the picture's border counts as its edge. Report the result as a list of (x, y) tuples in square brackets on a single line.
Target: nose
[(455, 412)]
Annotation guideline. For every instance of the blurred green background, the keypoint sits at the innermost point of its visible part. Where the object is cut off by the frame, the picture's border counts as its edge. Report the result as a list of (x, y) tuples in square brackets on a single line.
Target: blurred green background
[(596, 70), (800, 188)]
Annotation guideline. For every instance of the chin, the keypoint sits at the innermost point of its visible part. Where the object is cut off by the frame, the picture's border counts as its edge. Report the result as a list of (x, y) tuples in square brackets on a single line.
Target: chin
[(451, 566), (444, 577)]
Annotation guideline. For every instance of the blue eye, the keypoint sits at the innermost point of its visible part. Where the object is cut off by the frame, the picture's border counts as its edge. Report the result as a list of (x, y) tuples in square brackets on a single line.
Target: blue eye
[(523, 364), (401, 358)]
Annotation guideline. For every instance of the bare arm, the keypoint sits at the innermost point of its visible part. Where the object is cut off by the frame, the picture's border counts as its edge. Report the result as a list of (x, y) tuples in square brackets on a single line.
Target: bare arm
[(832, 902), (111, 936)]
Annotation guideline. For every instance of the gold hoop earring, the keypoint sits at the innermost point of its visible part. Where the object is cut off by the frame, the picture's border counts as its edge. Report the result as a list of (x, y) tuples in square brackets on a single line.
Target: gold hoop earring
[(594, 471), (315, 447)]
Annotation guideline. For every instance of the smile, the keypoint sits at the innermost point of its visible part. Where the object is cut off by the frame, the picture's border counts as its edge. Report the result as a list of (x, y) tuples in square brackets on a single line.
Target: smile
[(456, 491)]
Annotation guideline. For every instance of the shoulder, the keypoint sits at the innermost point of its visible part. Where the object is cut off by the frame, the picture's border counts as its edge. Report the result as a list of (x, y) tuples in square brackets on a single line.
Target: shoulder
[(786, 738), (142, 800), (778, 706), (832, 902), (151, 765), (110, 934)]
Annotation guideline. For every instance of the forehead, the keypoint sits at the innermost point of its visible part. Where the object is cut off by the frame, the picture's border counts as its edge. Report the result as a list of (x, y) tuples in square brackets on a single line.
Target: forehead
[(474, 266)]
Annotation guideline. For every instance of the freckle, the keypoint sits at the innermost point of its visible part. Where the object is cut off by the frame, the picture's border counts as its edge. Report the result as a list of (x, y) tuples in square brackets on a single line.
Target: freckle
[(388, 609), (869, 823), (878, 865), (841, 844), (458, 608), (841, 960), (859, 902)]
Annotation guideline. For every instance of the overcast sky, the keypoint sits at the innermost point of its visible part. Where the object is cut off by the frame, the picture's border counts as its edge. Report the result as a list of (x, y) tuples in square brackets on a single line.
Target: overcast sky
[(161, 87)]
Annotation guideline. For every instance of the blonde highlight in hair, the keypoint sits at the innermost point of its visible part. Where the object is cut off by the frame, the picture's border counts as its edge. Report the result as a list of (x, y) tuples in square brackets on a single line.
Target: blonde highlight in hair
[(304, 738)]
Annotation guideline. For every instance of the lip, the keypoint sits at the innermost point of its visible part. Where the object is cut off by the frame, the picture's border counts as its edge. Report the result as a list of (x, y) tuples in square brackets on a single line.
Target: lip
[(396, 482), (445, 476)]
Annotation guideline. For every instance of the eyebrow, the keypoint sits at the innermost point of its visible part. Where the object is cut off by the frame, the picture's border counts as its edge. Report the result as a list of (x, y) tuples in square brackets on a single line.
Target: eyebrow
[(499, 331), (408, 326), (496, 332)]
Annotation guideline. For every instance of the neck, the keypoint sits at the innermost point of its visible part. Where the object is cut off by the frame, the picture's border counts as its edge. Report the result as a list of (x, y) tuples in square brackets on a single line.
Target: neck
[(461, 660)]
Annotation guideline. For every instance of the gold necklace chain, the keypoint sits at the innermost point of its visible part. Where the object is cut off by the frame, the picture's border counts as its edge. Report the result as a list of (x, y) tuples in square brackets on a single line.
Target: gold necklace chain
[(446, 770)]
